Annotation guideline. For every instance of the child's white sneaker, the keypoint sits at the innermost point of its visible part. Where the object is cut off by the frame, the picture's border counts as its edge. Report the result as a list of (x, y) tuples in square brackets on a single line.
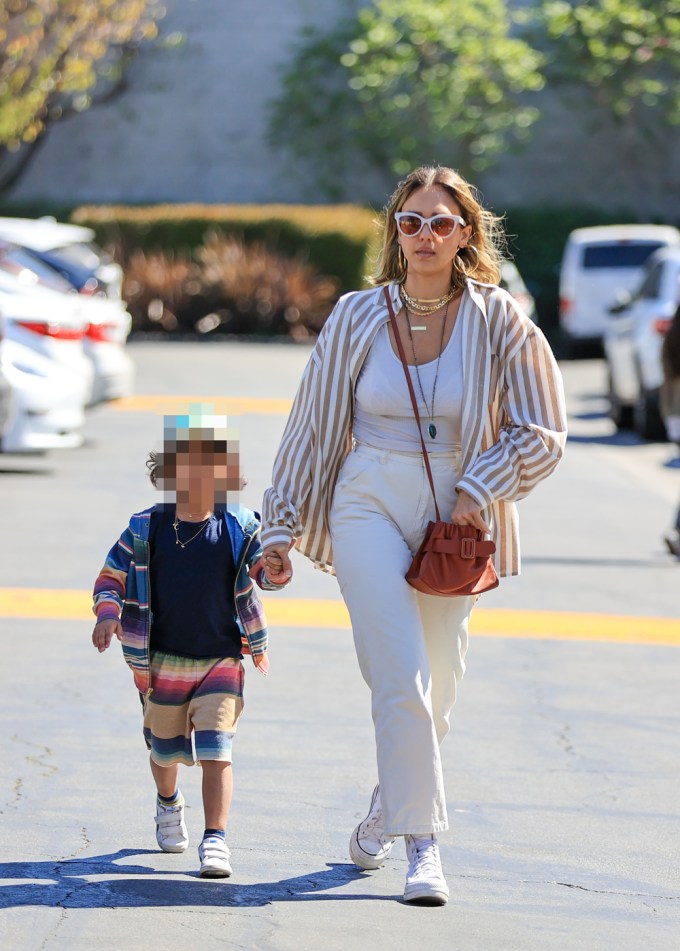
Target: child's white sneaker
[(171, 830), (425, 882), (214, 856)]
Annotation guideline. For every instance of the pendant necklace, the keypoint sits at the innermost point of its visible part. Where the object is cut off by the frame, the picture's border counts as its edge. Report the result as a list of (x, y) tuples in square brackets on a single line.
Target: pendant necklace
[(181, 544), (431, 429)]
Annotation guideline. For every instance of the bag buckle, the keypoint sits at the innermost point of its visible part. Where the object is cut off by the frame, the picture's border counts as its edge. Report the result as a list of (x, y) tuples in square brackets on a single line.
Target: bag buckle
[(467, 548)]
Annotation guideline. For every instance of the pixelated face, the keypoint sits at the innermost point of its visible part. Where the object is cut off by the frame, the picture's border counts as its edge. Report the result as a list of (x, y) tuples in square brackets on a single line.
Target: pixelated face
[(200, 461), (204, 462)]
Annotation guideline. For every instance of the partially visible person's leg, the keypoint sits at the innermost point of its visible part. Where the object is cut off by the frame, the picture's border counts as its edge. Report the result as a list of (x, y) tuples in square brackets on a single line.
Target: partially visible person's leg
[(165, 778), (218, 785), (672, 538)]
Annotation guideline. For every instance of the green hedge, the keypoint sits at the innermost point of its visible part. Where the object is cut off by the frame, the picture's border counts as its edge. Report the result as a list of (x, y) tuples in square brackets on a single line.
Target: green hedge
[(338, 240)]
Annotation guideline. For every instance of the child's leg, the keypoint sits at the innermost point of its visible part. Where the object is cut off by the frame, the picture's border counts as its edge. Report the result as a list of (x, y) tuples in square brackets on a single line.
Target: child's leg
[(165, 778), (217, 791)]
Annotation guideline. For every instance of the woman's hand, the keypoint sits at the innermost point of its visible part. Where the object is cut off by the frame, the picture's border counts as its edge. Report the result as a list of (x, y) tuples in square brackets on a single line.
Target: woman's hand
[(276, 563), (468, 512)]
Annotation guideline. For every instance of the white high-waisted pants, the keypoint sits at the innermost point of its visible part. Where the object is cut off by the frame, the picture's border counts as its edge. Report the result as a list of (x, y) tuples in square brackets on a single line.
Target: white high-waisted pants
[(411, 646)]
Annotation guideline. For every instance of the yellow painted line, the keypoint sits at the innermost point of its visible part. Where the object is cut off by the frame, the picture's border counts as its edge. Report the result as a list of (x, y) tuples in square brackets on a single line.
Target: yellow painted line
[(235, 405), (60, 604)]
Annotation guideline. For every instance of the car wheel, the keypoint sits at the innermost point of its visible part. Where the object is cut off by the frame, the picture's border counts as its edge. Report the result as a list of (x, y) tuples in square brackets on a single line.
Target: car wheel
[(647, 420), (620, 414)]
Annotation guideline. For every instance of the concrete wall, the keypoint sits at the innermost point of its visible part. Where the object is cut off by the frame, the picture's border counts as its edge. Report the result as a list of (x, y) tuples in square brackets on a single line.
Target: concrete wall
[(191, 127)]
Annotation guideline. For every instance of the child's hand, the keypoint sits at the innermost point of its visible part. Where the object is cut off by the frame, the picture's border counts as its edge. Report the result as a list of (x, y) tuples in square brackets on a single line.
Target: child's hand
[(261, 661), (276, 563), (104, 631)]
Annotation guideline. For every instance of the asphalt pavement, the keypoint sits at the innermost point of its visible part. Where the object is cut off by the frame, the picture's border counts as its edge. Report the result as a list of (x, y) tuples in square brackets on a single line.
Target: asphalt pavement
[(562, 769)]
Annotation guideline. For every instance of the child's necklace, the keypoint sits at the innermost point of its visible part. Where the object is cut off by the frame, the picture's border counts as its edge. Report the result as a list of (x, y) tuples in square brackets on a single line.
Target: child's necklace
[(181, 544)]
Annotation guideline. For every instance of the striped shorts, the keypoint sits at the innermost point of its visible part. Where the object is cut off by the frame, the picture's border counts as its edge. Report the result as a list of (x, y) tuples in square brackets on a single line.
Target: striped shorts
[(194, 706)]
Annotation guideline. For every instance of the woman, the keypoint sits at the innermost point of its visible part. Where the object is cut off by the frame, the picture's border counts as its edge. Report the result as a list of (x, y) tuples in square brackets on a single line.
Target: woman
[(350, 489)]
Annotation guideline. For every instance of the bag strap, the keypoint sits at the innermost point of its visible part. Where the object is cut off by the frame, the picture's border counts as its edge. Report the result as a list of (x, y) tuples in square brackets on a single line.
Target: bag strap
[(400, 348)]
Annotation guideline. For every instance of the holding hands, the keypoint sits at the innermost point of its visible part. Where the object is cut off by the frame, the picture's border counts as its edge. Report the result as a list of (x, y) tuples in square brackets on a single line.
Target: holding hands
[(276, 563)]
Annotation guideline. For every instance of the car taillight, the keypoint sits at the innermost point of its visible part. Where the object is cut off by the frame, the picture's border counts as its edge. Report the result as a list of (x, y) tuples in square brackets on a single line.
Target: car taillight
[(55, 331), (101, 333), (662, 325), (565, 305)]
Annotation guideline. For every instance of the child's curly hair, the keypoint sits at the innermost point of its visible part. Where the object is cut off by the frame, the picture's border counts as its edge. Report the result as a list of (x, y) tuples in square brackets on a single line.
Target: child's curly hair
[(156, 464), (162, 466)]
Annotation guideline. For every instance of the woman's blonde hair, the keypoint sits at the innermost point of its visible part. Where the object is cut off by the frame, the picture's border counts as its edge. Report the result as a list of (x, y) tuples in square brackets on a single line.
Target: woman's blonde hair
[(482, 256)]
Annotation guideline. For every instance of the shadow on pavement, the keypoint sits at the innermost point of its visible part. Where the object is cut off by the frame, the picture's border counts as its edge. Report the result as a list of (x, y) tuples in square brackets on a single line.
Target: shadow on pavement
[(65, 885)]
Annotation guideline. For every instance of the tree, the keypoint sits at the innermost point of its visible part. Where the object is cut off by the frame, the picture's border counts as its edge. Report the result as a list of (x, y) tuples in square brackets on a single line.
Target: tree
[(405, 82), (628, 53), (58, 57)]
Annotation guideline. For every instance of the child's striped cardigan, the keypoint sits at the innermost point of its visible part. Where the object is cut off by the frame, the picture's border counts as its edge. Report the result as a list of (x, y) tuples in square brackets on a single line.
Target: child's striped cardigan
[(124, 583)]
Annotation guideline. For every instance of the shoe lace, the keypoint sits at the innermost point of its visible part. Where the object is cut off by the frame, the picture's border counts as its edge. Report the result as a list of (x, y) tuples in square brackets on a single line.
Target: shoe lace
[(425, 858), (373, 823)]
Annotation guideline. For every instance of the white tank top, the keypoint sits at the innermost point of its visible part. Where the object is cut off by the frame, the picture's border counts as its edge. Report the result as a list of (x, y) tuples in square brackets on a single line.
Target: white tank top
[(383, 414)]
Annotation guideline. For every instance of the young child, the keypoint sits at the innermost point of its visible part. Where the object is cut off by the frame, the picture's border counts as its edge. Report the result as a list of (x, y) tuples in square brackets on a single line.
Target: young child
[(177, 590)]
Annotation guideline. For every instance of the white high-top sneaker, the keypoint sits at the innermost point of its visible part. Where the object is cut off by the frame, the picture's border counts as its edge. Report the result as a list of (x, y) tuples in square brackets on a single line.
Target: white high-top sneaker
[(425, 883), (369, 846)]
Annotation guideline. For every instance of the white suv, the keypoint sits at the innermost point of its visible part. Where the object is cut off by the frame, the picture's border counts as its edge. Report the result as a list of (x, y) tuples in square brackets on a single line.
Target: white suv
[(598, 262), (633, 342)]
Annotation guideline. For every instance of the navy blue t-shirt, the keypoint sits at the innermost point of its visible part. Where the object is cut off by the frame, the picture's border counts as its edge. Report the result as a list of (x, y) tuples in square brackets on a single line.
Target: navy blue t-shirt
[(192, 588)]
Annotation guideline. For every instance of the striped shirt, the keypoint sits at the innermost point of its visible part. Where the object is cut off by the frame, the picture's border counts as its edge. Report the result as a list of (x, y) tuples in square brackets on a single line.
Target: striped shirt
[(513, 418)]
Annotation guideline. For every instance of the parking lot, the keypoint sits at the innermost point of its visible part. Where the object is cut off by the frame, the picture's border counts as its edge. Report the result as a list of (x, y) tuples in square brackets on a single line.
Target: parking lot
[(562, 768)]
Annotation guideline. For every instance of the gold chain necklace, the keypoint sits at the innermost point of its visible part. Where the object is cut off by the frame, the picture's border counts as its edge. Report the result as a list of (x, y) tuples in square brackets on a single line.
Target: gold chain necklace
[(175, 525), (425, 307)]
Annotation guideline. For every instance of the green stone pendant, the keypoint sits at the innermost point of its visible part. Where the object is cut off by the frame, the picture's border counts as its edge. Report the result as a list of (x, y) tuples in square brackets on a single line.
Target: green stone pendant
[(432, 430)]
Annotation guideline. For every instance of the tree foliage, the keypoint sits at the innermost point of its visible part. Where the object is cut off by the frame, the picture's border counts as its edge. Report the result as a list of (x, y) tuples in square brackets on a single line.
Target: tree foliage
[(54, 52), (627, 53), (404, 82)]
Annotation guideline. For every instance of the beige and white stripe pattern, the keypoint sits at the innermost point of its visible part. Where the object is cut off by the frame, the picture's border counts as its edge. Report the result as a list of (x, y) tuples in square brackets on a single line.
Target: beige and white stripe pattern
[(513, 420)]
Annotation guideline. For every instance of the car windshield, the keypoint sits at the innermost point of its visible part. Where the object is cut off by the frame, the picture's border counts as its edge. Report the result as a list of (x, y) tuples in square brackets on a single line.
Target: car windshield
[(623, 254), (30, 270)]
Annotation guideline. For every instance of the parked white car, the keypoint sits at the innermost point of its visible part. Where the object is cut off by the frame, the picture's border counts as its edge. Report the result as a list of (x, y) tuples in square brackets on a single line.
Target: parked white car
[(104, 323), (48, 323), (47, 410), (598, 262), (512, 281), (6, 396), (69, 249), (633, 341)]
